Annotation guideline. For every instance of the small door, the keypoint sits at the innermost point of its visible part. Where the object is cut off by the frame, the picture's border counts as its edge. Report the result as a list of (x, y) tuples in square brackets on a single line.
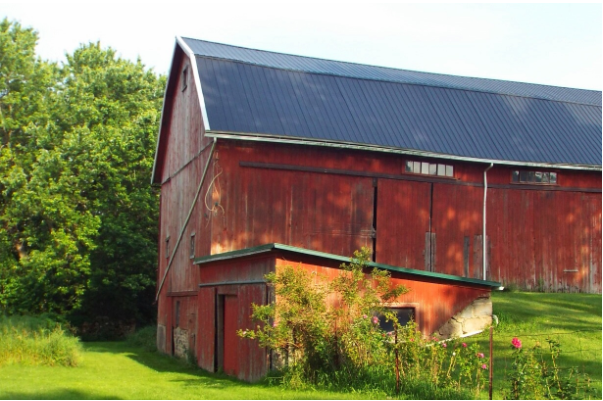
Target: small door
[(230, 340)]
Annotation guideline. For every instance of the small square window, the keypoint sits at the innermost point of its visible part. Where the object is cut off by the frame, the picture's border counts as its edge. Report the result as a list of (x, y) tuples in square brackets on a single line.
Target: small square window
[(545, 178), (515, 176), (433, 168), (537, 176), (553, 178), (409, 167), (441, 169), (416, 167), (424, 168), (523, 176), (404, 316), (449, 171)]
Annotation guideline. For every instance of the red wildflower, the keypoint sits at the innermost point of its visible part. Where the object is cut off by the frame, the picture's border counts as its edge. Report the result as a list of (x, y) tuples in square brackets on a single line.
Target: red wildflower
[(516, 342)]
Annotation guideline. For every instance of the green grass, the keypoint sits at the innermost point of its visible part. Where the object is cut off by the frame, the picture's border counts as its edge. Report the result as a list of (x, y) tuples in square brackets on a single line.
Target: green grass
[(118, 370), (124, 370), (572, 319), (36, 341)]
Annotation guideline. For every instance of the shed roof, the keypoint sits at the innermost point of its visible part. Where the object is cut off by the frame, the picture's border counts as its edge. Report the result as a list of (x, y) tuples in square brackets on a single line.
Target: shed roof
[(260, 95), (418, 274)]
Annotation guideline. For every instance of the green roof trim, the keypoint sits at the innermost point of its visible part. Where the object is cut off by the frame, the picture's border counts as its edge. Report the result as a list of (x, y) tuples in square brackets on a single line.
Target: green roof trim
[(288, 248)]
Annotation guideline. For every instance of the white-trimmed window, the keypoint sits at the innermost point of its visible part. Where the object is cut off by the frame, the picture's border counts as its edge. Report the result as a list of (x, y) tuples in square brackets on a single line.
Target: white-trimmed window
[(427, 168), (534, 177)]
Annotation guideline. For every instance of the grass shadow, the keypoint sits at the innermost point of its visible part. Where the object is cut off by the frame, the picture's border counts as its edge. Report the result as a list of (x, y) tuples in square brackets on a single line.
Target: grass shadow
[(62, 394)]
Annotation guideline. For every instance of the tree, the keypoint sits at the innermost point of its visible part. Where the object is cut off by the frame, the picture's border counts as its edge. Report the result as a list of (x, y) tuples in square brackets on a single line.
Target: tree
[(78, 215)]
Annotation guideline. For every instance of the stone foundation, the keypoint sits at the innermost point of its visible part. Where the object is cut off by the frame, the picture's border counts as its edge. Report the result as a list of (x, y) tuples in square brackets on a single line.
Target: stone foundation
[(180, 342), (161, 338), (474, 317)]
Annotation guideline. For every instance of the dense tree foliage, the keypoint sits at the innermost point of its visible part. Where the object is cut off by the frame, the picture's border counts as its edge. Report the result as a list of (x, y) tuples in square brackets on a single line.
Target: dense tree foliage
[(78, 218)]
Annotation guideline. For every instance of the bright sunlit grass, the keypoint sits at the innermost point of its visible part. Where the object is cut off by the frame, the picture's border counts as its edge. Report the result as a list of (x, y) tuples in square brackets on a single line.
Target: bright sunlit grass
[(126, 371)]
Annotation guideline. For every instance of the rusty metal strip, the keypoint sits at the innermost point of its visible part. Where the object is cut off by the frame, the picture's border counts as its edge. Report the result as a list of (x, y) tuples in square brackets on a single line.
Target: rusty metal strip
[(409, 177), (220, 283)]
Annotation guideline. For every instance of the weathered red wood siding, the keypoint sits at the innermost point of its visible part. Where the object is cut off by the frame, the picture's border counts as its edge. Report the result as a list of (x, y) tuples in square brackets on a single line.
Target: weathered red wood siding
[(324, 199), (184, 154), (241, 283), (546, 240), (253, 207)]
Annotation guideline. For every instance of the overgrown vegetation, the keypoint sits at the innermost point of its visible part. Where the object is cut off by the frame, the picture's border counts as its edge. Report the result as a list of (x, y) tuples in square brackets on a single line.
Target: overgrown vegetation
[(344, 348), (78, 218), (536, 374), (37, 341), (145, 338)]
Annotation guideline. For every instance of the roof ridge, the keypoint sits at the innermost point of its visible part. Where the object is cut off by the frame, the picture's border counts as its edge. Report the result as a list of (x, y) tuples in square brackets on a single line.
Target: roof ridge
[(408, 81), (402, 82)]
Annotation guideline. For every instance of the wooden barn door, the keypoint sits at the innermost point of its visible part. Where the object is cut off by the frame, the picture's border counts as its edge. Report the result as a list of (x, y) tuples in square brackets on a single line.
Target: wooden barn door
[(229, 335), (403, 224)]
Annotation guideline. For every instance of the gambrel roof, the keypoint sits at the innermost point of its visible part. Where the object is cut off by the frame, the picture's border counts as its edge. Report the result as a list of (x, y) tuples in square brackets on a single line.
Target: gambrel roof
[(260, 95)]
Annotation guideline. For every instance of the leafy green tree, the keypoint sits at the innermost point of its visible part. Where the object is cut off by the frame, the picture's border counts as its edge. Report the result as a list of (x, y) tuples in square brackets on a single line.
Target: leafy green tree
[(77, 215)]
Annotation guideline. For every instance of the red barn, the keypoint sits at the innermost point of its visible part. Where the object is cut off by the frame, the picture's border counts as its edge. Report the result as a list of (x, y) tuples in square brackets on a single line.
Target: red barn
[(455, 184)]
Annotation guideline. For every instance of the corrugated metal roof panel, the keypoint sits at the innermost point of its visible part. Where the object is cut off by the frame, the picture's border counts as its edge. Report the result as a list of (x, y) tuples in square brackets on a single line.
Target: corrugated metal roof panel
[(255, 99), (352, 70)]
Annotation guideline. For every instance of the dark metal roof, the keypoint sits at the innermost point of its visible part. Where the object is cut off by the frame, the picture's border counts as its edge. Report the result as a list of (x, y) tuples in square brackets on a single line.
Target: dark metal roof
[(252, 91), (301, 251)]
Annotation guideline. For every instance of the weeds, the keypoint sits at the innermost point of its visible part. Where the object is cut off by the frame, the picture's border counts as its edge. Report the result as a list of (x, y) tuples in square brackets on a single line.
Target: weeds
[(37, 341)]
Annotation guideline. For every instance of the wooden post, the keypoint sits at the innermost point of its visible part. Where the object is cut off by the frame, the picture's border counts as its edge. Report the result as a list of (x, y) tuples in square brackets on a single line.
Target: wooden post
[(491, 364), (397, 359)]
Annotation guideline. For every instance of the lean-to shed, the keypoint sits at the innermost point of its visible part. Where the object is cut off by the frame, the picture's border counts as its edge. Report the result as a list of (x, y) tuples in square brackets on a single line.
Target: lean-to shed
[(458, 183)]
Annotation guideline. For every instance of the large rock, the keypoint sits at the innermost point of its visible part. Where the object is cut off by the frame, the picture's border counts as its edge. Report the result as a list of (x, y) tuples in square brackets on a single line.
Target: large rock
[(475, 317)]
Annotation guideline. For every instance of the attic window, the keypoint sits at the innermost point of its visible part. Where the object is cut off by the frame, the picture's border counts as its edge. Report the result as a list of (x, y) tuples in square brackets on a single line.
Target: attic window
[(534, 177), (192, 254), (443, 170), (184, 78), (167, 247)]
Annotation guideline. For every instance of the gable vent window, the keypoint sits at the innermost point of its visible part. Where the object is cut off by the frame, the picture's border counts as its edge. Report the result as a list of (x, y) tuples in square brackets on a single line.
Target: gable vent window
[(443, 170), (534, 177), (184, 78), (167, 247), (192, 245)]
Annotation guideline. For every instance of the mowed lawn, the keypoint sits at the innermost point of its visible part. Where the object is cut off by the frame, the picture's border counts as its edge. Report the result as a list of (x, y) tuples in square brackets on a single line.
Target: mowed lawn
[(120, 371), (117, 371)]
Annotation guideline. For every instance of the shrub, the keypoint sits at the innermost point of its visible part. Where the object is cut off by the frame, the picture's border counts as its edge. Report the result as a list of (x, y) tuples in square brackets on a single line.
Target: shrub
[(37, 341), (344, 348), (145, 338)]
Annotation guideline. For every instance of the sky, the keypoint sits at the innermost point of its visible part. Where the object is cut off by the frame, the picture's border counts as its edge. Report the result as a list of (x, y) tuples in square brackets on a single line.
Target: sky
[(553, 44)]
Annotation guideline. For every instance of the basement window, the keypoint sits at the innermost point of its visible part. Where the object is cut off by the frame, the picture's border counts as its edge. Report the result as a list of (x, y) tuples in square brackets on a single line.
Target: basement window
[(404, 315), (192, 254), (439, 169), (534, 177), (184, 78)]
